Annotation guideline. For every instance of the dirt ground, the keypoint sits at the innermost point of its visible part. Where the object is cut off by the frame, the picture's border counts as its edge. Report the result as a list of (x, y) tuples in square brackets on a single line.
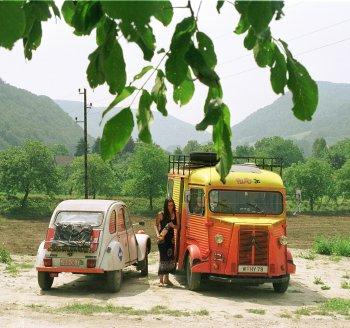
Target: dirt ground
[(24, 236), (22, 304)]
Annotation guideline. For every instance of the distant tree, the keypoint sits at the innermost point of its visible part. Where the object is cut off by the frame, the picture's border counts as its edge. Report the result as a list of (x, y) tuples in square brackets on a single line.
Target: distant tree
[(101, 177), (129, 147), (80, 148), (343, 180), (279, 147), (60, 150), (28, 168), (147, 172), (208, 147), (339, 153), (192, 146), (313, 178), (319, 148), (96, 147), (244, 151), (177, 151)]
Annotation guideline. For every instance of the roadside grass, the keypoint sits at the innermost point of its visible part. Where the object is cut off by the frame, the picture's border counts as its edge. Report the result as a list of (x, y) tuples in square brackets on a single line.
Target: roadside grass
[(345, 285), (325, 287), (308, 255), (338, 246), (13, 267), (256, 311), (89, 309), (318, 281), (346, 275), (286, 315), (329, 308)]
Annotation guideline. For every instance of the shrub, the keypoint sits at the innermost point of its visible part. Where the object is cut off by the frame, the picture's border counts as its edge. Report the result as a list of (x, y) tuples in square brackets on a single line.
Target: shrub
[(5, 256), (333, 246)]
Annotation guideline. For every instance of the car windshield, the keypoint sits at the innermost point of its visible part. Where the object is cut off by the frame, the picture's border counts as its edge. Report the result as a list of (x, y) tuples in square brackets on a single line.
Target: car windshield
[(245, 202), (82, 218)]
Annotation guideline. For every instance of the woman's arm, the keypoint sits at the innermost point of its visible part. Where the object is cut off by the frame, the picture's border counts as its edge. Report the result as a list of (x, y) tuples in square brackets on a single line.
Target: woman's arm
[(177, 225), (159, 218)]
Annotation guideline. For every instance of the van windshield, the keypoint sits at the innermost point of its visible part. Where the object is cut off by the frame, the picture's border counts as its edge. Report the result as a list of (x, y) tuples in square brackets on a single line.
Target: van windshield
[(79, 218), (245, 202)]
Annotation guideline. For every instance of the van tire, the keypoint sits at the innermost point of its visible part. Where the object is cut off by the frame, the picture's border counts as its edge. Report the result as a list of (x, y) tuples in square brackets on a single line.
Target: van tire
[(193, 279), (281, 287), (114, 280), (144, 266), (45, 281)]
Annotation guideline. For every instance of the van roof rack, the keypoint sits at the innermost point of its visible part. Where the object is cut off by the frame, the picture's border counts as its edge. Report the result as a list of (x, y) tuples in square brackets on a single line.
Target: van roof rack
[(179, 163)]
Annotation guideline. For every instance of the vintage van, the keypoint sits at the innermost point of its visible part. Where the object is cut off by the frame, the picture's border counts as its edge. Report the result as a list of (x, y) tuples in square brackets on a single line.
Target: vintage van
[(234, 231), (91, 237)]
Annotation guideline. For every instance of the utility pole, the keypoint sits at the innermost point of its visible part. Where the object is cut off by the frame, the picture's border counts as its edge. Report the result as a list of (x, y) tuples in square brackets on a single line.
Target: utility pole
[(86, 107)]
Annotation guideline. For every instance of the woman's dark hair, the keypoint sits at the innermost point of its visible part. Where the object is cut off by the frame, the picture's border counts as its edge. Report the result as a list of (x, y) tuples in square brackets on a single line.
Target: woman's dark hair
[(166, 213)]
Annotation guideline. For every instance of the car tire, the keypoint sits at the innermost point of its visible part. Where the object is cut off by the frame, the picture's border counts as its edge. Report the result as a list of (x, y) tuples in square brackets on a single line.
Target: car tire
[(45, 281), (144, 266), (114, 280), (193, 279), (281, 287)]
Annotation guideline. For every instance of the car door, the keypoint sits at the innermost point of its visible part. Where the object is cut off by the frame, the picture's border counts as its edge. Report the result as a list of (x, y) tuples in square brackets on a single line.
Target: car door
[(132, 243), (122, 234)]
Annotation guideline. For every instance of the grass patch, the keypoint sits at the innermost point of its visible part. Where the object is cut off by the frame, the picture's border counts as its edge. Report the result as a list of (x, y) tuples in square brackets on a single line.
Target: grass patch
[(238, 316), (303, 311), (346, 276), (345, 285), (285, 315), (337, 245), (318, 281), (330, 307), (309, 255), (89, 309), (12, 269), (5, 256), (256, 311), (325, 287), (25, 266)]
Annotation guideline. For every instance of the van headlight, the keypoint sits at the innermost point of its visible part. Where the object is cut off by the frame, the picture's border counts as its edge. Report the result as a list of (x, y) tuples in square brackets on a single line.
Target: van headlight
[(283, 240)]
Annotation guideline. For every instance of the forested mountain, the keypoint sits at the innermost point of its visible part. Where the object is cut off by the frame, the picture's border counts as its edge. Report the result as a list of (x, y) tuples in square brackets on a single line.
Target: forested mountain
[(168, 132), (24, 115), (331, 120)]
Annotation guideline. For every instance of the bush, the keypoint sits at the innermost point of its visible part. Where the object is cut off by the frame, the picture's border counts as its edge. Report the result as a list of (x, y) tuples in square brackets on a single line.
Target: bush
[(5, 256), (333, 246)]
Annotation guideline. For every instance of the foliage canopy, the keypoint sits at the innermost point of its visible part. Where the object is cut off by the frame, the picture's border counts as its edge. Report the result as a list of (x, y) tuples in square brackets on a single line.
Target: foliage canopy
[(191, 57)]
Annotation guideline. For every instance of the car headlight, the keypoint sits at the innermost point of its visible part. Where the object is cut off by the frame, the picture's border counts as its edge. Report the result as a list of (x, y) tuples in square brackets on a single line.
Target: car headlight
[(283, 240)]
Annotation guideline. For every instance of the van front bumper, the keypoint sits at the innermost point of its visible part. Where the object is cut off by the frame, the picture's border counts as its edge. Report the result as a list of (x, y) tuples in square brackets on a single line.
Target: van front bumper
[(249, 280), (70, 269)]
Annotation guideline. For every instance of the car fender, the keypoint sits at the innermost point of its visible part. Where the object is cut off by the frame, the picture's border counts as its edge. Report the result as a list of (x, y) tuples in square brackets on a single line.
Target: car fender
[(39, 262), (113, 257), (291, 268), (194, 252), (143, 245)]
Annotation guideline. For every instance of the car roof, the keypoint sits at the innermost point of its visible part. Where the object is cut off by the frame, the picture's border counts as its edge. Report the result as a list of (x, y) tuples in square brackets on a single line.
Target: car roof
[(98, 205)]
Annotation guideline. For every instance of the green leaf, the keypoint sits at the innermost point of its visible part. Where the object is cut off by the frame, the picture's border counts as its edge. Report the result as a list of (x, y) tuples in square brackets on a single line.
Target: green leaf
[(126, 92), (143, 72), (12, 23), (200, 68), (260, 14), (116, 133), (176, 66), (206, 48), (219, 4), (144, 116), (278, 75), (243, 25), (250, 39), (264, 53), (159, 93), (68, 11), (183, 93), (95, 71), (214, 93)]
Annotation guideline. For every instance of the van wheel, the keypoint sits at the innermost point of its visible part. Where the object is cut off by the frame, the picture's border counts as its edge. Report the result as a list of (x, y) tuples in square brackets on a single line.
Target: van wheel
[(144, 266), (281, 287), (45, 281), (193, 279), (114, 280)]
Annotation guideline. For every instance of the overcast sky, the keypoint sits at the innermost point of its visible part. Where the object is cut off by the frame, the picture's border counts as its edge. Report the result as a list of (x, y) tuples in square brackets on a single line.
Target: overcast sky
[(58, 67)]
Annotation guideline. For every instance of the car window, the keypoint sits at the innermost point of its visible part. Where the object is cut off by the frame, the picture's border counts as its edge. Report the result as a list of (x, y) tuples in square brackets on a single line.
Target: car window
[(196, 204), (121, 220), (79, 218), (113, 222), (170, 188)]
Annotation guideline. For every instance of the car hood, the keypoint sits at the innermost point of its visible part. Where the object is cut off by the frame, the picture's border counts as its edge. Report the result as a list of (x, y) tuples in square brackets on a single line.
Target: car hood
[(256, 221)]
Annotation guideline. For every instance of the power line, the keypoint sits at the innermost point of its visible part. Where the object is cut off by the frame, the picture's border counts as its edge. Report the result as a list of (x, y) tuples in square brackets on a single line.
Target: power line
[(292, 39), (298, 54)]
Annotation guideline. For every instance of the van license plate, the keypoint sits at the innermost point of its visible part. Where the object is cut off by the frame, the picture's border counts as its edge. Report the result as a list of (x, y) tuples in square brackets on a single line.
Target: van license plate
[(70, 262), (252, 269)]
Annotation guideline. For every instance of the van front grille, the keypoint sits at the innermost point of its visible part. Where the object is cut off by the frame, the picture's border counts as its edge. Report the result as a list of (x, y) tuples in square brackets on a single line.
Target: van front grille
[(253, 246)]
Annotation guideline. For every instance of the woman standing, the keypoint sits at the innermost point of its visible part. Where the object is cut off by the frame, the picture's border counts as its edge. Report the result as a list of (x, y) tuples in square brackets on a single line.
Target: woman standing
[(166, 222)]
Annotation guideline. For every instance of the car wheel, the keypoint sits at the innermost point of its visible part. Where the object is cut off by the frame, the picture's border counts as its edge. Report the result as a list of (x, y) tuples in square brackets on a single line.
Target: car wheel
[(281, 287), (193, 279), (114, 280), (144, 266), (45, 281)]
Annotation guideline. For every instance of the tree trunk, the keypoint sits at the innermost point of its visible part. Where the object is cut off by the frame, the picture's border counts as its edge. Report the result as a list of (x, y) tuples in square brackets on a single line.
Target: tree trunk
[(151, 202), (25, 198), (311, 204)]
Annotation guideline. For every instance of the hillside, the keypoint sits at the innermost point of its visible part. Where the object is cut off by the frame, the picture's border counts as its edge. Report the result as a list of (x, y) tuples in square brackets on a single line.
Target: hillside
[(24, 115), (168, 132), (331, 120)]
